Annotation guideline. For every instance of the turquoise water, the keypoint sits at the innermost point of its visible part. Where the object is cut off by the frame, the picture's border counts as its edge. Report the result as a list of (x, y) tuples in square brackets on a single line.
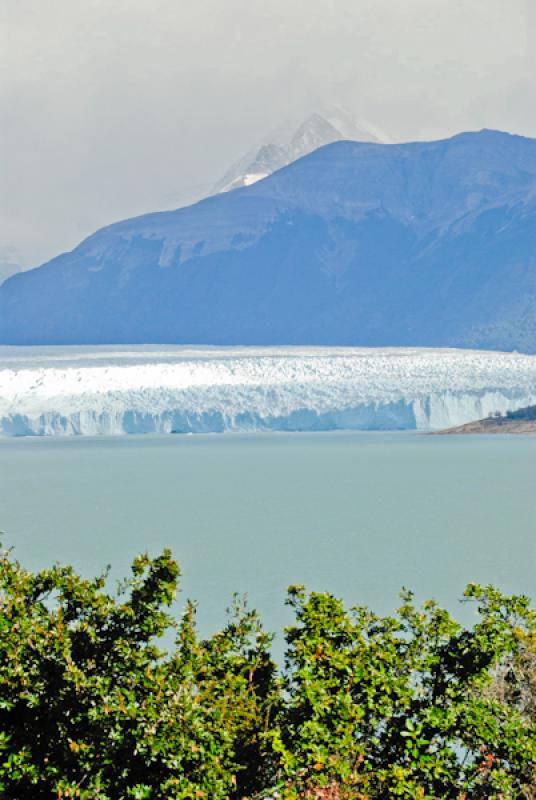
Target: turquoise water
[(357, 514)]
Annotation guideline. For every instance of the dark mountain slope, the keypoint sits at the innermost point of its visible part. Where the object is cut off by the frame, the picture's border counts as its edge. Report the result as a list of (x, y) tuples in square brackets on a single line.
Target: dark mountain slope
[(358, 243)]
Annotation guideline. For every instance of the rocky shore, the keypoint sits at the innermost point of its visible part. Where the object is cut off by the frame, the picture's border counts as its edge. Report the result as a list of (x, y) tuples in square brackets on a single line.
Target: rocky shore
[(493, 425)]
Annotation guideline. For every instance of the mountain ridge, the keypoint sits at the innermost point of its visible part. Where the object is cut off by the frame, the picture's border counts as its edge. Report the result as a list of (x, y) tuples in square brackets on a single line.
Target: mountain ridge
[(423, 243)]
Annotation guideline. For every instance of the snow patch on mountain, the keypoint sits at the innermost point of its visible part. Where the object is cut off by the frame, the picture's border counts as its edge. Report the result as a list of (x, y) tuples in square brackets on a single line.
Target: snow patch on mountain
[(107, 390)]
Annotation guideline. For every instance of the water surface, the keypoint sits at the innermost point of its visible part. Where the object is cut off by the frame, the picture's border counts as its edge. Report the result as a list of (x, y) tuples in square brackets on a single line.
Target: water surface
[(359, 514)]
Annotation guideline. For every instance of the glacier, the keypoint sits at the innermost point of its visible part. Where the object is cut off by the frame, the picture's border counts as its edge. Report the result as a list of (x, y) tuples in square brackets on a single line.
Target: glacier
[(110, 390)]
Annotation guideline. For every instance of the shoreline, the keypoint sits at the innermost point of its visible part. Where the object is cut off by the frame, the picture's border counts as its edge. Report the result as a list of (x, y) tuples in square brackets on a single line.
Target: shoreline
[(491, 425)]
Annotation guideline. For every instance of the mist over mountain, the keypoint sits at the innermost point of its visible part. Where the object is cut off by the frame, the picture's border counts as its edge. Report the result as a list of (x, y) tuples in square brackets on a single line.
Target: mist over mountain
[(429, 244), (7, 269), (332, 125)]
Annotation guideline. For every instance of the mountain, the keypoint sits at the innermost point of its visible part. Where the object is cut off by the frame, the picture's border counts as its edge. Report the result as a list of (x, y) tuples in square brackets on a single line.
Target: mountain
[(317, 130), (425, 244)]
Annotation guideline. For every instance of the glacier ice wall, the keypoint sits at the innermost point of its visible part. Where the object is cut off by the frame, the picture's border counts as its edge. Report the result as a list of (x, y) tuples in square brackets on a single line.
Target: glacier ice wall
[(105, 390)]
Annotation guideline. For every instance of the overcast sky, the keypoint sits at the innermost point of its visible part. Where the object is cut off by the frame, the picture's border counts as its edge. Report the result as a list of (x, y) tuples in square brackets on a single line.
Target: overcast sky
[(110, 108)]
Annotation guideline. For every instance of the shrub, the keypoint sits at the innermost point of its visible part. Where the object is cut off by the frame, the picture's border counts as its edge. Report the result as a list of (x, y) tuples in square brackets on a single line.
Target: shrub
[(410, 705), (90, 708)]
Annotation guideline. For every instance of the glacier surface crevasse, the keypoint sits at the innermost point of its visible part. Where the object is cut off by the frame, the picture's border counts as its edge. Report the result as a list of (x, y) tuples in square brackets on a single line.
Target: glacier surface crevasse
[(113, 391)]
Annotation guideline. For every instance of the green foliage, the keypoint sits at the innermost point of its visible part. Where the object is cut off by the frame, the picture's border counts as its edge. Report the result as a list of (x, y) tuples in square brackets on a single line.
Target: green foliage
[(411, 705), (405, 706), (90, 708)]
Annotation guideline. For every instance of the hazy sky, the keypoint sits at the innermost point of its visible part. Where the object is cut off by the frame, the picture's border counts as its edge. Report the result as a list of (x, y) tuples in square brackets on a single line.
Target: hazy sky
[(110, 108)]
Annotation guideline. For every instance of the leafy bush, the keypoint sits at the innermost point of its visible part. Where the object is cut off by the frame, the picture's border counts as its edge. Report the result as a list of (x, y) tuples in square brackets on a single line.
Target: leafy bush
[(90, 708), (409, 706)]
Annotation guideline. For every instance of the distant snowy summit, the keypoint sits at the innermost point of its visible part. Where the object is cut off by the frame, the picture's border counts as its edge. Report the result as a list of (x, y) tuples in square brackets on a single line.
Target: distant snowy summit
[(333, 125), (428, 244)]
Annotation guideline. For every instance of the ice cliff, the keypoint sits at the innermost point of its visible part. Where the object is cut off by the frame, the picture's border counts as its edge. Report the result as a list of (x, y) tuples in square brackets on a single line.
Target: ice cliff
[(110, 390)]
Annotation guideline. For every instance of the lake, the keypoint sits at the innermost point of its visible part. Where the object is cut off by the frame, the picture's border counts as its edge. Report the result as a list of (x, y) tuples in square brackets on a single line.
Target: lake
[(359, 514)]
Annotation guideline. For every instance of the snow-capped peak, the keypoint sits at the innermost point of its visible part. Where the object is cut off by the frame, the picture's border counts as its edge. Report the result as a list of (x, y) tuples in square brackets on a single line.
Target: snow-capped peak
[(315, 131)]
